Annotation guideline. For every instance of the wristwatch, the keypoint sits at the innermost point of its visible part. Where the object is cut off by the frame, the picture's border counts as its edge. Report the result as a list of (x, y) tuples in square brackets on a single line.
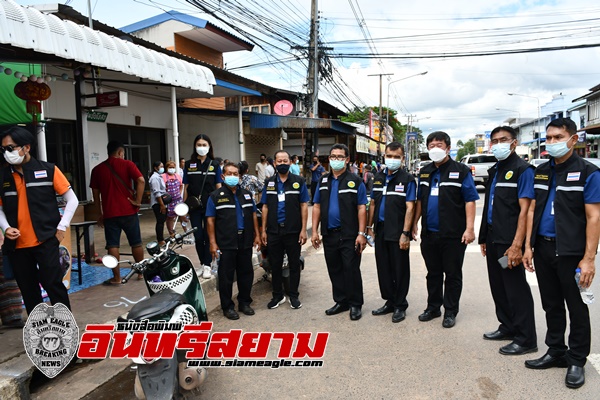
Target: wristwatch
[(406, 233), (362, 234)]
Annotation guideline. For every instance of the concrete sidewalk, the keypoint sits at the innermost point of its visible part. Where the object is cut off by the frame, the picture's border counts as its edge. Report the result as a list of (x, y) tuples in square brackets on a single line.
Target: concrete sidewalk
[(96, 304)]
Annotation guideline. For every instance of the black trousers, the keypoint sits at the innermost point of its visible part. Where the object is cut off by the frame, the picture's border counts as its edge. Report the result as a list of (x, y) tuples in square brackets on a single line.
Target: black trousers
[(235, 262), (443, 256), (393, 271), (278, 245), (343, 266), (25, 264), (160, 222), (556, 280), (313, 189), (512, 296), (198, 220)]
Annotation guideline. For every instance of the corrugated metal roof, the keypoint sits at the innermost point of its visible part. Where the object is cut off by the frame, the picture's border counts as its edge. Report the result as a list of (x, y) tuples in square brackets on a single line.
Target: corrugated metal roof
[(268, 121), (28, 28)]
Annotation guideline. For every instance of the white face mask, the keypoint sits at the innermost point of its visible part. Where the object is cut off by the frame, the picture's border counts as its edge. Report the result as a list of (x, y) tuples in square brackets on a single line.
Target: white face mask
[(171, 171), (13, 157), (202, 150), (436, 154)]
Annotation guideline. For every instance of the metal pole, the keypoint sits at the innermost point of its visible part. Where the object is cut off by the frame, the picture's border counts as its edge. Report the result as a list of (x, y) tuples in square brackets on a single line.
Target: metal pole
[(175, 125), (539, 129), (315, 11)]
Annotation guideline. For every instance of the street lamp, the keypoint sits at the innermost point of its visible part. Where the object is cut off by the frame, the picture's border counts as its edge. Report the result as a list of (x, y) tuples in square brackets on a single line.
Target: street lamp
[(539, 140), (387, 118)]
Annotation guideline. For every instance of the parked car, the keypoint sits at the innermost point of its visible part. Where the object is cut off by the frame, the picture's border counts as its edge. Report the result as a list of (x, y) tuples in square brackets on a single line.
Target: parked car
[(420, 165), (537, 161), (479, 164), (595, 161)]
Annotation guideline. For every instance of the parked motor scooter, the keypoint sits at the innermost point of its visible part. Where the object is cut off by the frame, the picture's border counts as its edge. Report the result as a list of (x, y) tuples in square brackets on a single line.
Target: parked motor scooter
[(175, 296), (263, 260)]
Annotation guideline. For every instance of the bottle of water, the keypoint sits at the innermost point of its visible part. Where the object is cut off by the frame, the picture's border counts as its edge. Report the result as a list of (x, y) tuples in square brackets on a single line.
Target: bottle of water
[(370, 240), (214, 265), (586, 293)]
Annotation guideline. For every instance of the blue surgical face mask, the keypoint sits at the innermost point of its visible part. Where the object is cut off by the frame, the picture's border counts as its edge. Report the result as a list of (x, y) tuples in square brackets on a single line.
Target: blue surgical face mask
[(232, 180), (501, 150), (337, 165), (558, 149), (161, 170), (393, 163)]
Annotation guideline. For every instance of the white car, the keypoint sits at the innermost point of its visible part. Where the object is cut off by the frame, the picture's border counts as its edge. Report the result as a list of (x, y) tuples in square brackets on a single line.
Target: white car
[(537, 161), (595, 161)]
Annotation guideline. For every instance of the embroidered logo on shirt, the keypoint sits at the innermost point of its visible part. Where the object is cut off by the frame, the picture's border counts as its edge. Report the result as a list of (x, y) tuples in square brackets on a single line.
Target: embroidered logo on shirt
[(399, 188), (324, 180), (508, 175), (247, 196), (424, 176), (573, 176), (225, 200), (541, 177), (296, 185), (453, 175), (351, 184), (271, 184), (40, 174), (193, 165), (211, 168)]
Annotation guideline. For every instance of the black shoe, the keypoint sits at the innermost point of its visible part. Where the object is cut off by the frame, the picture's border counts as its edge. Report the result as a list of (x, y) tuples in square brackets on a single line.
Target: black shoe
[(386, 309), (547, 361), (514, 349), (276, 302), (355, 313), (449, 321), (497, 335), (295, 303), (246, 309), (336, 309), (398, 315), (231, 314), (575, 377), (428, 315)]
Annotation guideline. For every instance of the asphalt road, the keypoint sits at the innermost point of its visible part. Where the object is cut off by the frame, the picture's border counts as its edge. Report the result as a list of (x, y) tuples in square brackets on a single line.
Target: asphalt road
[(374, 358)]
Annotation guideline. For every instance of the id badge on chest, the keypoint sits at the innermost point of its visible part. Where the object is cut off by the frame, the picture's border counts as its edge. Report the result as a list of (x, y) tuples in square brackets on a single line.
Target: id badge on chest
[(281, 197), (435, 191)]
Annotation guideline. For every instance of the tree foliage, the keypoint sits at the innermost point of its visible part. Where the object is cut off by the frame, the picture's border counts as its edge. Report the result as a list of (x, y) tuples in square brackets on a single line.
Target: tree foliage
[(467, 147), (361, 116)]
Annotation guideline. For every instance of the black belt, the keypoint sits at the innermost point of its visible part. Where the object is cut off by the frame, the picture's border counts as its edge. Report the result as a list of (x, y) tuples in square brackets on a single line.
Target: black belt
[(547, 238), (240, 231), (334, 229)]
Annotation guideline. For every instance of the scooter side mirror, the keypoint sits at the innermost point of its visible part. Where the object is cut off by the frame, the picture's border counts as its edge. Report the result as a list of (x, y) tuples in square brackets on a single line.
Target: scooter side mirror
[(110, 261), (181, 209)]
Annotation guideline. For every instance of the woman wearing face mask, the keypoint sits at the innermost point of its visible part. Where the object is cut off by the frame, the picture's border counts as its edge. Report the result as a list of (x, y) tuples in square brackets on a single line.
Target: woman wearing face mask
[(173, 185), (157, 190), (201, 176)]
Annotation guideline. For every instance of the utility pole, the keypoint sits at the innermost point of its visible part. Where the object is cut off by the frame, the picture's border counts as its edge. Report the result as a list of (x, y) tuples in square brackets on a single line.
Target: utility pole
[(381, 130), (313, 63)]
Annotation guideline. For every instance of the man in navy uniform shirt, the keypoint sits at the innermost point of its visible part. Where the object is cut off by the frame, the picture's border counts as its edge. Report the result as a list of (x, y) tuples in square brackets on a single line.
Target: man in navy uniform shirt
[(390, 215), (340, 209), (502, 234), (563, 227), (232, 230), (285, 212), (446, 201), (316, 170)]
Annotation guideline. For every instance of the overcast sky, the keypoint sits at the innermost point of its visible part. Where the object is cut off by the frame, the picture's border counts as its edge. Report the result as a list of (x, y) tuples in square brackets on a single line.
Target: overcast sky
[(458, 95)]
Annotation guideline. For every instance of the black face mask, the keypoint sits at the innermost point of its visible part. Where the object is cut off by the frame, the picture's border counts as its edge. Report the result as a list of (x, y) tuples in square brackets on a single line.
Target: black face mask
[(262, 160), (283, 168)]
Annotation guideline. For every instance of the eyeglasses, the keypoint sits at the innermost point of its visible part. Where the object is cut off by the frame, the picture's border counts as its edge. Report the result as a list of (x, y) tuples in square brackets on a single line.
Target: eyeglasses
[(9, 148), (501, 140), (338, 158)]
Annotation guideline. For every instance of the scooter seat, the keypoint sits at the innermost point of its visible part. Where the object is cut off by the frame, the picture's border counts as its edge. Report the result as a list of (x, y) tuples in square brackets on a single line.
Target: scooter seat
[(156, 305)]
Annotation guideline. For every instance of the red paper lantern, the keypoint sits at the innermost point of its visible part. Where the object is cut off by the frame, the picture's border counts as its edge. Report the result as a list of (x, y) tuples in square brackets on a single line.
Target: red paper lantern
[(33, 93)]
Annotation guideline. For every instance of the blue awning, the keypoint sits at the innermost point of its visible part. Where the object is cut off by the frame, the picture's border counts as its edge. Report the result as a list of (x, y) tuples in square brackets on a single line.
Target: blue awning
[(270, 121), (237, 88)]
